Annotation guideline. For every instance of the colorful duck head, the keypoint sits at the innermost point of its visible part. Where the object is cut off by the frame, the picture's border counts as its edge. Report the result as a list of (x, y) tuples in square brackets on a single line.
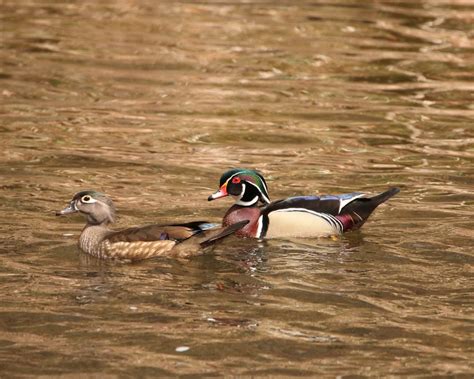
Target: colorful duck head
[(96, 206), (248, 187)]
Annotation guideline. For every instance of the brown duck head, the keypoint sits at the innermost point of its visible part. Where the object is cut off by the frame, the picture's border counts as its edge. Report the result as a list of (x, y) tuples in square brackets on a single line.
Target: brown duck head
[(96, 206)]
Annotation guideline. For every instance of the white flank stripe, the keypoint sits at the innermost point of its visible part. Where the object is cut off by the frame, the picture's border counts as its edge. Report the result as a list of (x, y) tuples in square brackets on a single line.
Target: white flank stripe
[(259, 227)]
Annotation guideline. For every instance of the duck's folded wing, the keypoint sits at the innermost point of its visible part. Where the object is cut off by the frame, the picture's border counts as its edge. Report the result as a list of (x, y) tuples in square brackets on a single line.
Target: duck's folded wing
[(329, 204), (207, 238), (213, 235), (182, 232), (145, 233), (177, 232)]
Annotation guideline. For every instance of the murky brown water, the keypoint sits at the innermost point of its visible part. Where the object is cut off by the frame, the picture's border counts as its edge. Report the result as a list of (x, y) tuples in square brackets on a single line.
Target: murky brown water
[(151, 101)]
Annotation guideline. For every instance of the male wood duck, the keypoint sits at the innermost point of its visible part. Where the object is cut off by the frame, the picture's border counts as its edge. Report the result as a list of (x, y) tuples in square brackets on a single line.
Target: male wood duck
[(178, 240), (301, 216)]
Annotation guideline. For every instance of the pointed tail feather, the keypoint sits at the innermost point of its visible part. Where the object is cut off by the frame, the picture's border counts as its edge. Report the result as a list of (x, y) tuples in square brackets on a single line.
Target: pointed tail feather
[(384, 196), (356, 213), (223, 232)]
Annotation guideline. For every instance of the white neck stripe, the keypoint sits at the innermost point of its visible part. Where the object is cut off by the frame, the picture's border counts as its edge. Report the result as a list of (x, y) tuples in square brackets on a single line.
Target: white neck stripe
[(247, 203), (259, 227), (267, 200)]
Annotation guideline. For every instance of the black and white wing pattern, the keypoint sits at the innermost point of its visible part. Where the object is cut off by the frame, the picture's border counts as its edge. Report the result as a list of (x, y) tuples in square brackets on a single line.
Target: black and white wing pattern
[(306, 215)]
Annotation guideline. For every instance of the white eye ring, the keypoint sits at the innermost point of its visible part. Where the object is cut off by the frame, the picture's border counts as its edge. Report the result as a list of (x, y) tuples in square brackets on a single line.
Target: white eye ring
[(88, 199)]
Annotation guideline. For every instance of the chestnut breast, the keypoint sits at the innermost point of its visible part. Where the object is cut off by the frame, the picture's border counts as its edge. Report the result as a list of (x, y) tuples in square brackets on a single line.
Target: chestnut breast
[(238, 213)]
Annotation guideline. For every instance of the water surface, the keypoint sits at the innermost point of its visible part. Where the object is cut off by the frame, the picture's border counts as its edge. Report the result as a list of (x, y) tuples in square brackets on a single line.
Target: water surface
[(151, 101)]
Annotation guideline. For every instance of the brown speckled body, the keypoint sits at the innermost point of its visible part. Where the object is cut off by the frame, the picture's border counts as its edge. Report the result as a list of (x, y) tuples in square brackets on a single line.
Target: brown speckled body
[(93, 241), (238, 213)]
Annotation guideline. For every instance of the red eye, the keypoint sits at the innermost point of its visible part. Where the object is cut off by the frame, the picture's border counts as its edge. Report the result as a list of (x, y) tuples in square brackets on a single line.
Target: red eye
[(236, 180)]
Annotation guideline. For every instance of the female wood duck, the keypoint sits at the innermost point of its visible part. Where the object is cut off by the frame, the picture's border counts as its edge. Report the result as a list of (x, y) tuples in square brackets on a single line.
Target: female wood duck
[(301, 216), (179, 240)]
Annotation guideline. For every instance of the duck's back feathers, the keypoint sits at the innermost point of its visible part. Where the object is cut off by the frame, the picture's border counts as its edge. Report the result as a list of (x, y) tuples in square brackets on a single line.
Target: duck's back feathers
[(329, 204), (176, 232)]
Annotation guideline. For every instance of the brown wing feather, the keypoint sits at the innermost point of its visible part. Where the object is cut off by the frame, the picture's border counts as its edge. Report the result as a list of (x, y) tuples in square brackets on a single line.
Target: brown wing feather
[(180, 232), (218, 234), (152, 233)]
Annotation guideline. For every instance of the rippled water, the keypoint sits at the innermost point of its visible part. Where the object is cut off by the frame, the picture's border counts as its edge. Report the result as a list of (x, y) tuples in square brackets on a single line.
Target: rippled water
[(152, 101)]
